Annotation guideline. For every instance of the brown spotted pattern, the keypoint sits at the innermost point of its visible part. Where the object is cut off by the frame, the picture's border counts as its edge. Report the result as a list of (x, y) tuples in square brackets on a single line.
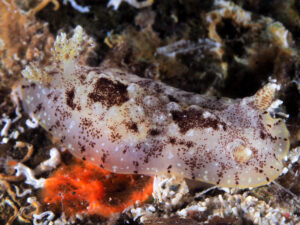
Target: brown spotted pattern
[(127, 124)]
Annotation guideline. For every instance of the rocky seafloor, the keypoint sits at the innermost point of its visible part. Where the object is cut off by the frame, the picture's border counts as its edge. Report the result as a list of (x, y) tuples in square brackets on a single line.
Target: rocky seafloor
[(221, 48)]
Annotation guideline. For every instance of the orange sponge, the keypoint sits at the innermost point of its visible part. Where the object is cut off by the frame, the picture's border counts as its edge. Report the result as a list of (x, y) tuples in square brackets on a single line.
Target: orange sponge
[(82, 187)]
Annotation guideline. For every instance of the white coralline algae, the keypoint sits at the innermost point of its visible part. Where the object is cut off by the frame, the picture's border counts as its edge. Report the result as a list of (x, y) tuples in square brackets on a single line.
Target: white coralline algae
[(128, 124)]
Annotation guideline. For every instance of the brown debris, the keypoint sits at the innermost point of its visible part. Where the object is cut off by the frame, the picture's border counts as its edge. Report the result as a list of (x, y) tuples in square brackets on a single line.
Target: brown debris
[(22, 40), (42, 5)]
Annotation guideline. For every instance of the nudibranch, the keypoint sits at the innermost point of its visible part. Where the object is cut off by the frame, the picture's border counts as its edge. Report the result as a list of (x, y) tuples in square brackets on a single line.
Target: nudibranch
[(128, 124)]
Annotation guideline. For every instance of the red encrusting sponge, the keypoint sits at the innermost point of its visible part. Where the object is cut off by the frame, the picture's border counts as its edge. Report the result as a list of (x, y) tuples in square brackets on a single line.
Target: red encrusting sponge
[(82, 187)]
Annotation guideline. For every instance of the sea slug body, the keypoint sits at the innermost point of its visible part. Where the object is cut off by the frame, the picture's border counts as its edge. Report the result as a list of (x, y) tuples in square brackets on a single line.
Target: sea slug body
[(128, 124)]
